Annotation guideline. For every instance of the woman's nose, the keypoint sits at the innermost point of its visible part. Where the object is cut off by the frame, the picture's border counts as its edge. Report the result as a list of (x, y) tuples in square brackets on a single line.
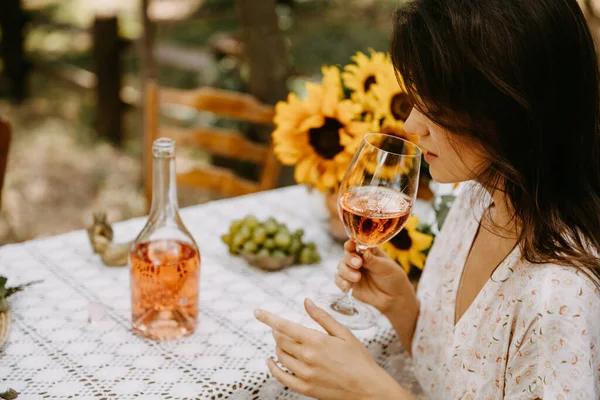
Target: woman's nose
[(415, 124)]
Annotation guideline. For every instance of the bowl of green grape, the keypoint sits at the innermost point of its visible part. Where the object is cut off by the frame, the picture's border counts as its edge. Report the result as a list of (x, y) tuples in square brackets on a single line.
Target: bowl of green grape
[(269, 244)]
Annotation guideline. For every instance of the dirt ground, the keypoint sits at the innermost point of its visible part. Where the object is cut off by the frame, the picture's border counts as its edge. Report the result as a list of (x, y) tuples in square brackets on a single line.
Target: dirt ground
[(55, 179)]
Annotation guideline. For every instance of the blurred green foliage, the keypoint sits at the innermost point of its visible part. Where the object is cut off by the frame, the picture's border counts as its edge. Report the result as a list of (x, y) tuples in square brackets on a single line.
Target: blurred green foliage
[(319, 32)]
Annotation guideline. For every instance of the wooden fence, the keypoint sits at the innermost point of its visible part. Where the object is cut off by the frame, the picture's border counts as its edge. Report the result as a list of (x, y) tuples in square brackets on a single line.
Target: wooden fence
[(105, 79)]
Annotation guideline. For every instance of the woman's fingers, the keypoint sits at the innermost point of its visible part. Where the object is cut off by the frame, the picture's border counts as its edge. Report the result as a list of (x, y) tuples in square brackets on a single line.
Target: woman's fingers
[(291, 363), (348, 273), (323, 318), (342, 283), (288, 344), (350, 245), (289, 380), (291, 329), (353, 260)]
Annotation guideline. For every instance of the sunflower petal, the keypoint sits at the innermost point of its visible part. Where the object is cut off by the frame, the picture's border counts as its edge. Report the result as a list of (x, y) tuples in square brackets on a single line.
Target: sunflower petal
[(412, 223), (420, 240), (329, 178), (417, 258), (314, 121), (302, 171), (404, 260)]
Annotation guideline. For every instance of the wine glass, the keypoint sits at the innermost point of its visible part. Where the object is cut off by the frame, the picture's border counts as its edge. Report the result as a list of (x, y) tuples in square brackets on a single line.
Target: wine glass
[(375, 202)]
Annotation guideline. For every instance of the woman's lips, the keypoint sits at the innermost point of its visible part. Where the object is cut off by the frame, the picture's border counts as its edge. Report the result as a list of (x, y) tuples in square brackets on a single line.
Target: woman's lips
[(429, 157)]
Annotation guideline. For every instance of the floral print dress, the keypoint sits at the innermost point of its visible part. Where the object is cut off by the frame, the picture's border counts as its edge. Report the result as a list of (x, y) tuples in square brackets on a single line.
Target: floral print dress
[(532, 332)]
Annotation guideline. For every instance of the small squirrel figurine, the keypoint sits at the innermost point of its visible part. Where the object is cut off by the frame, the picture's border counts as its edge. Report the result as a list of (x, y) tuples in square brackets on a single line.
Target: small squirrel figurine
[(101, 235)]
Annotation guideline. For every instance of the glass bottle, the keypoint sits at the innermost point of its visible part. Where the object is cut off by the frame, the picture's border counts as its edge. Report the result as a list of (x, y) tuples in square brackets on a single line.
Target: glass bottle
[(164, 260)]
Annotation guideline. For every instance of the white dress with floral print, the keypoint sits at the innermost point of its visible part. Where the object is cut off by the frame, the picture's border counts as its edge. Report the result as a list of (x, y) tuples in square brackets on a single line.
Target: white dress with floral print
[(532, 332)]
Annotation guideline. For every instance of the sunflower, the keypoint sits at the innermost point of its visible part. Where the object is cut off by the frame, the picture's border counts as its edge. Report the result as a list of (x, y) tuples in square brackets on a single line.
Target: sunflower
[(361, 76), (388, 169), (319, 134), (407, 247), (391, 105)]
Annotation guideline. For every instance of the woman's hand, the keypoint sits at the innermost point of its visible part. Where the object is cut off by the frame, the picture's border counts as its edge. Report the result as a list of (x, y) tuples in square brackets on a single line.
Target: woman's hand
[(377, 280), (334, 366), (374, 278)]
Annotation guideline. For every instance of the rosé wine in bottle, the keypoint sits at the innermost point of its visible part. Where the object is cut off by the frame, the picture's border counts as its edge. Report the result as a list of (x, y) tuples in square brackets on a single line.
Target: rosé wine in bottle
[(164, 260)]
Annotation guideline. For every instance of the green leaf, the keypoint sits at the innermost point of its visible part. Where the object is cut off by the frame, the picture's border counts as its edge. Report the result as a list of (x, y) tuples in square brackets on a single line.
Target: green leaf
[(443, 208), (13, 290), (3, 305)]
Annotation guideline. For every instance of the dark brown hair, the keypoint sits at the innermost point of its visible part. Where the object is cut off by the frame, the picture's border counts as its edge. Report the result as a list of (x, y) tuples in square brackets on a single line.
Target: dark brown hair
[(521, 78)]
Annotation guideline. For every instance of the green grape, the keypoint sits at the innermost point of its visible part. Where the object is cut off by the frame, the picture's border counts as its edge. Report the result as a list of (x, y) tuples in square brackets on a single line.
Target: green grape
[(298, 233), (263, 253), (271, 220), (237, 241), (250, 247), (269, 244), (283, 240), (295, 246), (260, 235), (226, 238), (235, 226), (305, 256), (278, 254), (251, 221), (245, 232), (271, 227), (314, 257), (234, 250), (311, 245), (284, 228)]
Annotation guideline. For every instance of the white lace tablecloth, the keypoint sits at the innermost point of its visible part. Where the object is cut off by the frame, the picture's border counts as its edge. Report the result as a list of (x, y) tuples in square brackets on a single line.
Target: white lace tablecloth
[(53, 351)]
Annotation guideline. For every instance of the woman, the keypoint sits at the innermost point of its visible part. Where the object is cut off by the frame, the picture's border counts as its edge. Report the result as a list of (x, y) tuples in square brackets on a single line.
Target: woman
[(505, 94)]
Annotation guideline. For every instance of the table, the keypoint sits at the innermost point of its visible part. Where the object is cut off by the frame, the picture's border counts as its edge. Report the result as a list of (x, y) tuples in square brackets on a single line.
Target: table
[(55, 353)]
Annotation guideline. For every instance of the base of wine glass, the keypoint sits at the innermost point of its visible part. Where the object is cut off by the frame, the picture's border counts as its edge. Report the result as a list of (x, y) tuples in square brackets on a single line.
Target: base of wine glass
[(349, 312)]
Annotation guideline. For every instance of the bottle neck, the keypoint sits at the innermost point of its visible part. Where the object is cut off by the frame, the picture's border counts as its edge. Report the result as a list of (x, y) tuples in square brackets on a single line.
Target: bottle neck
[(164, 187)]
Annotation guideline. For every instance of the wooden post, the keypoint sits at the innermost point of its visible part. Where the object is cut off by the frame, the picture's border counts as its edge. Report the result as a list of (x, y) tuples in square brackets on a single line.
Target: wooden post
[(150, 93), (12, 21), (267, 55), (107, 66), (266, 51)]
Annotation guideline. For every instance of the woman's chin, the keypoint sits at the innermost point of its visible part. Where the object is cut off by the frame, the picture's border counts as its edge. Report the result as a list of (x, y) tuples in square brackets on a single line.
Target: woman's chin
[(442, 176)]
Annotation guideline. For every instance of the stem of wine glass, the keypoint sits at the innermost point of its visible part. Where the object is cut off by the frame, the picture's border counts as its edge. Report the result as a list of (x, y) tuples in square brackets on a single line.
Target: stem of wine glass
[(345, 304)]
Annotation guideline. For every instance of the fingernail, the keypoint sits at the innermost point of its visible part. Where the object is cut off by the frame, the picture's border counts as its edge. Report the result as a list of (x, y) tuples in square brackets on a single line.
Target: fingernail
[(345, 285), (356, 262), (310, 303), (257, 313)]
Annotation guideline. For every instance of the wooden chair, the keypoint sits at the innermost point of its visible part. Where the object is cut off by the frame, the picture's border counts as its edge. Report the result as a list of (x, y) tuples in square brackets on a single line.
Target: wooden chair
[(217, 141), (5, 136)]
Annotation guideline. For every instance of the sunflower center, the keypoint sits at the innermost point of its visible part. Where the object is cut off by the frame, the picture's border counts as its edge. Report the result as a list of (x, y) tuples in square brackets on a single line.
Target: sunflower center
[(402, 241), (400, 107), (370, 81), (326, 139)]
